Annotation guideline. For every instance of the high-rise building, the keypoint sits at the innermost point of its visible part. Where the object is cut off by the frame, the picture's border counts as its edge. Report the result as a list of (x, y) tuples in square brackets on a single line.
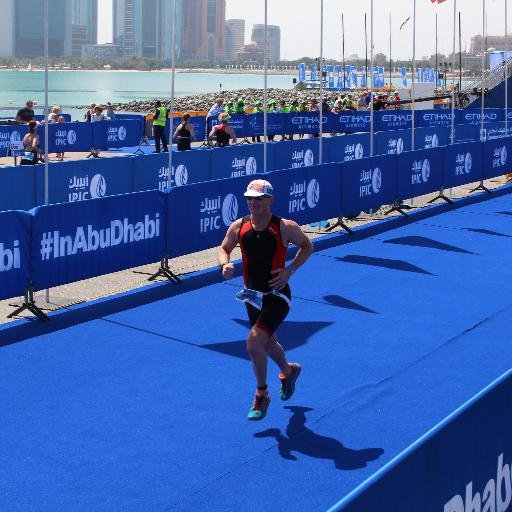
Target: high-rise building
[(273, 40), (29, 28), (235, 37), (85, 12), (144, 28), (7, 32), (203, 30)]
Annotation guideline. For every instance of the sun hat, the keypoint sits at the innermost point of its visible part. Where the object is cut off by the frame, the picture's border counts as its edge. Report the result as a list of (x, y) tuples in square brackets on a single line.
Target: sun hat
[(259, 188)]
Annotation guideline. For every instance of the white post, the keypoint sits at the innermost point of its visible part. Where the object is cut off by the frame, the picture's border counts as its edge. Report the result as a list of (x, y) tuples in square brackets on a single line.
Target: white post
[(45, 118), (371, 77), (173, 60), (483, 73), (320, 117), (452, 133), (413, 73), (506, 70), (265, 94)]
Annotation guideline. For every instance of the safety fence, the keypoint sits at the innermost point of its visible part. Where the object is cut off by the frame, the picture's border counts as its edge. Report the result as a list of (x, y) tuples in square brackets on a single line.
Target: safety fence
[(23, 187), (62, 243), (463, 464)]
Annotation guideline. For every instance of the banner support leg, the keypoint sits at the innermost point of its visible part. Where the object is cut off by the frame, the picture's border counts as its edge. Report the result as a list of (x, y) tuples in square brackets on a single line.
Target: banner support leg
[(30, 305), (165, 271), (482, 187), (441, 196), (341, 224)]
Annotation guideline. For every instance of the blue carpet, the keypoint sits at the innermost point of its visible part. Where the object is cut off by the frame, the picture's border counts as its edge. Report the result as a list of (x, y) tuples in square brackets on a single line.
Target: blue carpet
[(142, 408)]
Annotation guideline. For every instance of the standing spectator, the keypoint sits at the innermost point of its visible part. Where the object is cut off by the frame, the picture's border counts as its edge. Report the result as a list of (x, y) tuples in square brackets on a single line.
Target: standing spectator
[(89, 113), (56, 111), (159, 120), (184, 133), (313, 107), (97, 116), (60, 156), (110, 113), (31, 145), (26, 114), (216, 109)]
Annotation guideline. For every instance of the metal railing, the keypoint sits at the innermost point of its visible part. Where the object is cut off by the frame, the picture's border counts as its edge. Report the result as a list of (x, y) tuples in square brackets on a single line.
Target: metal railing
[(491, 79)]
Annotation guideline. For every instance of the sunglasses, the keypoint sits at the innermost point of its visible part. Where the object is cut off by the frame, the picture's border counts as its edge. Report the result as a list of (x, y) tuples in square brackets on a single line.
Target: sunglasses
[(260, 198)]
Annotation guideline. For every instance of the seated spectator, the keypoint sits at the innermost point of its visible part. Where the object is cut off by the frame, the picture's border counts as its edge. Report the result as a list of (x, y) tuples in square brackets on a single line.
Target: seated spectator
[(26, 114), (223, 132), (31, 145), (184, 133)]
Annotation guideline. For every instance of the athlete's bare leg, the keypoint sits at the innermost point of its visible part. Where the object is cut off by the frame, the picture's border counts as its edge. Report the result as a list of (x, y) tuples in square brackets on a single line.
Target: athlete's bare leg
[(256, 342), (277, 354)]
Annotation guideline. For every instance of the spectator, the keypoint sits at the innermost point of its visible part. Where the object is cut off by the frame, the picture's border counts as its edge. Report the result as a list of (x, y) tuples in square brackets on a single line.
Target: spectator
[(98, 114), (56, 111), (223, 132), (159, 121), (60, 156), (26, 114), (216, 109), (110, 113), (396, 100), (89, 113), (184, 133), (31, 145)]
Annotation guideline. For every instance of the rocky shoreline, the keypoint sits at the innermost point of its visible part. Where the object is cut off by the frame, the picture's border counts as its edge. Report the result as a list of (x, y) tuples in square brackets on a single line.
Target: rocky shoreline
[(206, 100)]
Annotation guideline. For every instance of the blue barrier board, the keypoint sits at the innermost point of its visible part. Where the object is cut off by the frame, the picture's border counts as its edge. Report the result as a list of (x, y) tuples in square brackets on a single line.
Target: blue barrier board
[(436, 118), (84, 179), (392, 142), (8, 134), (420, 172), (308, 122), (466, 133), (497, 157), (151, 172), (350, 122), (198, 122), (276, 124), (76, 241), (14, 253), (115, 134), (64, 137), (307, 194), (349, 147), (298, 153), (203, 211), (18, 187), (368, 183), (431, 137), (237, 121), (496, 131), (462, 164), (474, 115), (393, 120), (240, 160)]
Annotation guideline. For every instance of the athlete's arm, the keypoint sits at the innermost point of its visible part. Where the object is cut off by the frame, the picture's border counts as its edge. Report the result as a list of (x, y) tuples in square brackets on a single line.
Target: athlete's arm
[(226, 248), (291, 234)]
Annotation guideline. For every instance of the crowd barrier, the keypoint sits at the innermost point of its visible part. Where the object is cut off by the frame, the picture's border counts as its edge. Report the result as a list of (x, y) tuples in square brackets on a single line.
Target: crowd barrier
[(462, 465), (23, 187), (70, 137), (62, 243)]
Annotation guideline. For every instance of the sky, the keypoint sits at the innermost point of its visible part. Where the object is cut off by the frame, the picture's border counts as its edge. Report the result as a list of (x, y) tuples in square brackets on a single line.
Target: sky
[(300, 24)]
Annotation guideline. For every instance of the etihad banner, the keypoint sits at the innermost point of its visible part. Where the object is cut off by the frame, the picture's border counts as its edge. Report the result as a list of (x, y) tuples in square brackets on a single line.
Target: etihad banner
[(75, 241), (436, 117), (14, 253)]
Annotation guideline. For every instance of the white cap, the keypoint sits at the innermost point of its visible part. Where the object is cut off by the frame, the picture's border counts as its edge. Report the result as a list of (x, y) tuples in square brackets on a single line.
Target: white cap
[(259, 188)]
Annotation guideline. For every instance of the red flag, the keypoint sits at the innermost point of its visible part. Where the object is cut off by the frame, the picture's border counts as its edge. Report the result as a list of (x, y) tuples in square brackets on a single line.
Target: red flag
[(404, 22), (437, 1)]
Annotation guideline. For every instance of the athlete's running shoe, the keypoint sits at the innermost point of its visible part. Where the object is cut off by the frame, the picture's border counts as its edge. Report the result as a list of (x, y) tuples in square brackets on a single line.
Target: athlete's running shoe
[(288, 383), (259, 407)]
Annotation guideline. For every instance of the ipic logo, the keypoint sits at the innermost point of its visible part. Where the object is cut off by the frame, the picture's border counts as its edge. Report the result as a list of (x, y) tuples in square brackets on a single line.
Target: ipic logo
[(468, 163), (425, 170), (495, 497), (376, 180), (71, 137), (98, 186), (434, 142), (229, 209), (121, 132), (399, 146), (251, 166), (313, 193), (358, 151), (181, 175), (9, 257), (15, 136), (309, 158), (503, 155)]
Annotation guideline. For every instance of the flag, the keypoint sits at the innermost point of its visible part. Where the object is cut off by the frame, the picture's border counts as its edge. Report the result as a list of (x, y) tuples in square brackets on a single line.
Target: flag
[(437, 1), (404, 22)]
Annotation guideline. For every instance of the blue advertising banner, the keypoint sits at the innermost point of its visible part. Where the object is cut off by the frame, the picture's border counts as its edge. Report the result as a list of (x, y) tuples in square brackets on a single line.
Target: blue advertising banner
[(308, 194), (18, 187), (368, 183), (10, 133), (350, 122), (420, 172), (302, 72), (77, 180), (349, 147), (276, 123), (509, 114), (67, 137), (297, 153), (474, 115), (462, 164), (14, 253), (437, 117), (76, 241), (204, 211), (393, 142), (240, 160), (67, 117), (151, 172), (466, 133), (237, 121), (139, 117), (308, 122), (496, 131), (393, 120), (432, 137), (115, 134), (198, 122), (497, 157), (426, 474)]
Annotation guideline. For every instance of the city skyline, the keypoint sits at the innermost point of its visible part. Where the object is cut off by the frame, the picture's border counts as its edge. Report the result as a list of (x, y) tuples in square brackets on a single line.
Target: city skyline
[(299, 21)]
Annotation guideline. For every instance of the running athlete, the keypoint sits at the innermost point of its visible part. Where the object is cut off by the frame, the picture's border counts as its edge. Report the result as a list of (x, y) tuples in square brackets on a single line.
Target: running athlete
[(264, 239)]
